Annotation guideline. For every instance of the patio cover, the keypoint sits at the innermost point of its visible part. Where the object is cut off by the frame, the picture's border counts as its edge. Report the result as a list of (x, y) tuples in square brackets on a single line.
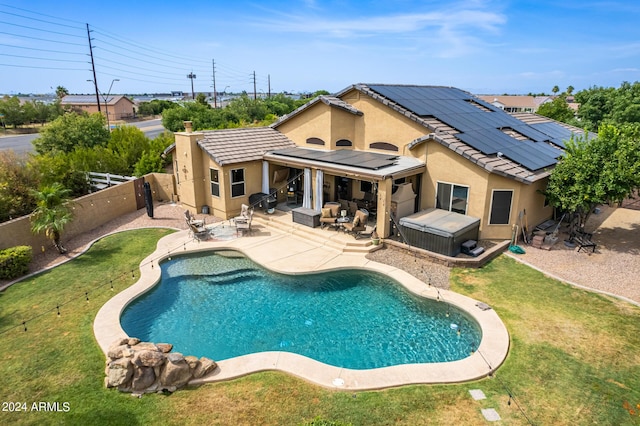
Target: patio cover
[(360, 164)]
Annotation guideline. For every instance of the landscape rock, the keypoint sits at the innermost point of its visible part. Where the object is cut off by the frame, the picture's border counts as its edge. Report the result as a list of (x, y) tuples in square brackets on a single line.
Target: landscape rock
[(176, 372), (120, 372), (144, 367), (147, 358), (165, 348), (143, 377), (205, 367)]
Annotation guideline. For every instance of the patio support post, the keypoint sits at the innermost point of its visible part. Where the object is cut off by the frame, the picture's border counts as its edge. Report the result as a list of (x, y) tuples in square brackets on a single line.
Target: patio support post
[(319, 189)]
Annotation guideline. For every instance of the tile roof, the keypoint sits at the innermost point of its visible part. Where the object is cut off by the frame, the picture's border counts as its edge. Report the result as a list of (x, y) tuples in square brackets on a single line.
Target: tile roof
[(91, 100), (332, 101), (443, 130), (229, 146)]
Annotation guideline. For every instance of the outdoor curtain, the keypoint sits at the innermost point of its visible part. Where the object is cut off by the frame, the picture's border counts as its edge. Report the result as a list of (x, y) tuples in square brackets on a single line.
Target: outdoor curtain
[(265, 177), (306, 196), (319, 188)]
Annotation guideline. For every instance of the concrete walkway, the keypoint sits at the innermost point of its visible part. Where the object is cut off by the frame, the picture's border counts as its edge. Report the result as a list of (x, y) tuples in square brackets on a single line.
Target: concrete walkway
[(290, 248)]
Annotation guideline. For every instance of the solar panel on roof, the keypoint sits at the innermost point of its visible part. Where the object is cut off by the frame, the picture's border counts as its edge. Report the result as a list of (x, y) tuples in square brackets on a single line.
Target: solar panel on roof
[(366, 160), (479, 128)]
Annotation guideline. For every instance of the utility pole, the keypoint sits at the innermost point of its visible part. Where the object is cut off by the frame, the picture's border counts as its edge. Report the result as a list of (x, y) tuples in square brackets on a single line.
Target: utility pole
[(255, 93), (215, 93), (93, 67), (191, 76), (269, 84)]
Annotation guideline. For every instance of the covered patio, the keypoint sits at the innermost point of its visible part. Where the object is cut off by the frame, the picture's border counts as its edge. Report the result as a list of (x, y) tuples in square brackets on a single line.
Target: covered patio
[(356, 179)]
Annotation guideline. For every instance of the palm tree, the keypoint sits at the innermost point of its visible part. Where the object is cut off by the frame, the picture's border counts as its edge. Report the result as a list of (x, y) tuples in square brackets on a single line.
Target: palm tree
[(51, 213)]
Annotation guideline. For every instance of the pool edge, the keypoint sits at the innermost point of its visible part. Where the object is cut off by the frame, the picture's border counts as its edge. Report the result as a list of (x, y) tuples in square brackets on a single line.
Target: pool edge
[(302, 256)]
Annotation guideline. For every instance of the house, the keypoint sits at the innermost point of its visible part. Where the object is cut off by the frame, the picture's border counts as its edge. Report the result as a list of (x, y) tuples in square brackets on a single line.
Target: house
[(443, 146), (516, 103), (117, 107)]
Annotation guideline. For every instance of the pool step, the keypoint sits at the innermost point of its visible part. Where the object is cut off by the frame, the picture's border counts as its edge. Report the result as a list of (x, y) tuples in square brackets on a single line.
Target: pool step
[(327, 237)]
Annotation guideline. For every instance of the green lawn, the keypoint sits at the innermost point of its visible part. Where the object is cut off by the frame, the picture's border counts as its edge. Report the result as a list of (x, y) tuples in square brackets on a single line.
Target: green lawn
[(574, 359)]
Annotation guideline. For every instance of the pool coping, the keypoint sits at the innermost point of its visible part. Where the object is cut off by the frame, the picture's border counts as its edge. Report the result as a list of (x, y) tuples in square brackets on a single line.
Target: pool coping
[(288, 253)]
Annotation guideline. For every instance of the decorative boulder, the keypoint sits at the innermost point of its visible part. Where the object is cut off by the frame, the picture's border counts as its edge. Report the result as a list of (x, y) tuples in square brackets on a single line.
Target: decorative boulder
[(147, 358), (119, 372), (176, 371), (205, 367), (143, 377), (143, 367)]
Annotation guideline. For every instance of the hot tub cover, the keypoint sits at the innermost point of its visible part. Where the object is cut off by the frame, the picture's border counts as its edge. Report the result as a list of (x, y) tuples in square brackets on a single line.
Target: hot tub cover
[(440, 222)]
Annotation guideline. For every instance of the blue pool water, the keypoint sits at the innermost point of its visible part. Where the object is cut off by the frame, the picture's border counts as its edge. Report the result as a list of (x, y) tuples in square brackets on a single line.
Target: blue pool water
[(222, 305)]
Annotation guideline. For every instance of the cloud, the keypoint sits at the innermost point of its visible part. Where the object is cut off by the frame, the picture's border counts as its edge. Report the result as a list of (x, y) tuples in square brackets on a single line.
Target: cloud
[(449, 31)]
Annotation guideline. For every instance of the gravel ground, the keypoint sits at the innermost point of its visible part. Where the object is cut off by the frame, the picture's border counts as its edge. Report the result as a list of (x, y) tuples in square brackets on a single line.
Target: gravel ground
[(423, 269), (613, 268)]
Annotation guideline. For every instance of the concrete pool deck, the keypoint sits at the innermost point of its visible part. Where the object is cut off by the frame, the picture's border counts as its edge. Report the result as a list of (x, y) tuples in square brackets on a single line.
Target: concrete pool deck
[(289, 251)]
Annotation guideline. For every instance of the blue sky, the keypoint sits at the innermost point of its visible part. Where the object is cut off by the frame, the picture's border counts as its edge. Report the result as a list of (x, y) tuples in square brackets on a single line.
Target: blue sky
[(485, 47)]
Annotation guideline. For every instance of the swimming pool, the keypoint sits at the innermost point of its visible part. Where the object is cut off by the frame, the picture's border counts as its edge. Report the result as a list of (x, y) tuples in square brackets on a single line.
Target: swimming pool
[(223, 305)]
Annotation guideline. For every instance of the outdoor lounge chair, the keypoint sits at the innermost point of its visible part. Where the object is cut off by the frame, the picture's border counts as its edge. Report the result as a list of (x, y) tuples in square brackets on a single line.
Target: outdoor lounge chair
[(244, 224), (200, 233), (329, 214), (366, 233), (358, 224), (245, 211)]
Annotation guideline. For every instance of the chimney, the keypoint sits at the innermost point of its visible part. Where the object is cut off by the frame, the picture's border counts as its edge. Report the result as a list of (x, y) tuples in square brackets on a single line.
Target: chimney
[(188, 126)]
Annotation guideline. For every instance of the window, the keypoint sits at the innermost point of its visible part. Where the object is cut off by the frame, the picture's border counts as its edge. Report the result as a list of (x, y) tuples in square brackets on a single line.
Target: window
[(500, 206), (215, 182), (452, 197), (315, 141), (384, 146), (344, 142), (237, 183)]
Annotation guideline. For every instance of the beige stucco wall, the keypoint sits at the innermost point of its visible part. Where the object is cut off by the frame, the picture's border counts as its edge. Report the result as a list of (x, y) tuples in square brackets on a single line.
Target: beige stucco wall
[(89, 212)]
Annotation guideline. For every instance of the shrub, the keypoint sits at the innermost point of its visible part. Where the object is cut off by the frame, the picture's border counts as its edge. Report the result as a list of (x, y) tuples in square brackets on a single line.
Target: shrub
[(14, 261)]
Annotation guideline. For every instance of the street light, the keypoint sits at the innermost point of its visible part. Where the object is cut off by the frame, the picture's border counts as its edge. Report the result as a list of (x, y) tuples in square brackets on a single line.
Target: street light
[(106, 102)]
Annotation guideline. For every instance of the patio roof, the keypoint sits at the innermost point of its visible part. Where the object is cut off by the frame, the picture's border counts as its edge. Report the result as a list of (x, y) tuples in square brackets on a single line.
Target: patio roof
[(348, 162)]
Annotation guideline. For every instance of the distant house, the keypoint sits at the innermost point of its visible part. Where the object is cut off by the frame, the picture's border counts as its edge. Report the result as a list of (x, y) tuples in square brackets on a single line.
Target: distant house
[(516, 103), (117, 106), (445, 147)]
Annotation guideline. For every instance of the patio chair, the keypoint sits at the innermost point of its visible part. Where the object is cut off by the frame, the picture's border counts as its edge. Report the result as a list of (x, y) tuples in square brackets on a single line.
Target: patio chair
[(366, 233), (353, 208), (329, 214), (244, 214), (191, 220), (359, 222), (200, 233), (244, 225)]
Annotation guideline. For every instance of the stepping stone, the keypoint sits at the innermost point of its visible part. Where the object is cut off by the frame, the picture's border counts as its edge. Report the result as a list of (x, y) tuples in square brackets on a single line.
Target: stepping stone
[(477, 394), (491, 415)]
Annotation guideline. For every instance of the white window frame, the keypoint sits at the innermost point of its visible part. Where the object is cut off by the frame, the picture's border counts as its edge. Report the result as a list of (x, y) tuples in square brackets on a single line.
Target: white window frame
[(453, 185), (510, 205), (212, 183), (242, 182)]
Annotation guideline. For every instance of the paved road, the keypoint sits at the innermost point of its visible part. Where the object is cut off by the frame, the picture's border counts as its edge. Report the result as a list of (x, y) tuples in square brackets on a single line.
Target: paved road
[(21, 144)]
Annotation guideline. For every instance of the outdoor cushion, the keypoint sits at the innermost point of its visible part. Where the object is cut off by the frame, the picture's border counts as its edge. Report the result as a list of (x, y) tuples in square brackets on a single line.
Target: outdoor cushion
[(325, 212), (356, 221)]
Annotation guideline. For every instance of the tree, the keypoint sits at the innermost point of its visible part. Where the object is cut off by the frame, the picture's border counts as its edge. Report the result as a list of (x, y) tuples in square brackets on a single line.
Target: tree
[(201, 98), (16, 181), (557, 109), (601, 170), (555, 89), (570, 90), (52, 213), (70, 131), (12, 110), (61, 92)]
